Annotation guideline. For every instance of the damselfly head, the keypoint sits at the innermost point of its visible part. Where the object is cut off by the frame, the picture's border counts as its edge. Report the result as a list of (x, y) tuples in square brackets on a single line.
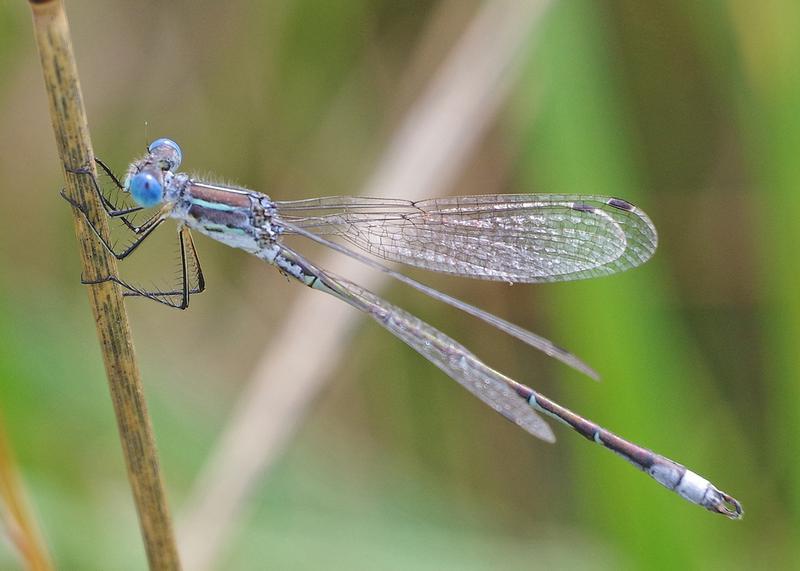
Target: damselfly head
[(146, 177)]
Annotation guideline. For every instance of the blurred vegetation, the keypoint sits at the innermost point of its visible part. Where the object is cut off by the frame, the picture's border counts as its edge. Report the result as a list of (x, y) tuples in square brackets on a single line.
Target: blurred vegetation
[(691, 110)]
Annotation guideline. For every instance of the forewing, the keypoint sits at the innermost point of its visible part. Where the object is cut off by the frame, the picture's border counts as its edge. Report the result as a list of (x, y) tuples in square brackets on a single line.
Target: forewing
[(514, 238)]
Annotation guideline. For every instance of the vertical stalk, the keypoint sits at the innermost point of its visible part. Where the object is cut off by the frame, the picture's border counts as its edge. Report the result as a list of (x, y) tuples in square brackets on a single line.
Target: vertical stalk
[(75, 150)]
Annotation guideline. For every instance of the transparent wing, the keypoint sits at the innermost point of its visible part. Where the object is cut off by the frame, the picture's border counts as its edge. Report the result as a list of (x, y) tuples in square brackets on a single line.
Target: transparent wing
[(490, 386), (514, 238), (536, 341)]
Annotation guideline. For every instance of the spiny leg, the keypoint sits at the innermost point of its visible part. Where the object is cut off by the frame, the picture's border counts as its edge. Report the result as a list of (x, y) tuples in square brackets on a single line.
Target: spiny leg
[(110, 208), (130, 290), (188, 286), (109, 173), (142, 231), (187, 243), (190, 265), (133, 291), (192, 280)]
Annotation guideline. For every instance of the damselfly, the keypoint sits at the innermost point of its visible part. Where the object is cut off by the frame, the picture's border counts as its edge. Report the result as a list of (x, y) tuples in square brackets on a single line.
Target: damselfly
[(511, 238)]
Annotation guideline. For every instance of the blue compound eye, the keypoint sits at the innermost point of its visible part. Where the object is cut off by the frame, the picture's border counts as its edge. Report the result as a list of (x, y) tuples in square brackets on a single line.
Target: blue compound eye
[(146, 190), (167, 150)]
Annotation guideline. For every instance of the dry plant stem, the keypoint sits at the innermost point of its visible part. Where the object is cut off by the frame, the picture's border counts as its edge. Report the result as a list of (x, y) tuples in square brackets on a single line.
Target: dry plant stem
[(75, 149), (421, 160), (21, 525)]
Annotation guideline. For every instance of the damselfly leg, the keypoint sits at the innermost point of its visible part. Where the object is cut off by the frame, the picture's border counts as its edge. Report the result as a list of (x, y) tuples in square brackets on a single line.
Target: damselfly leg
[(142, 232), (191, 280), (177, 298), (111, 208)]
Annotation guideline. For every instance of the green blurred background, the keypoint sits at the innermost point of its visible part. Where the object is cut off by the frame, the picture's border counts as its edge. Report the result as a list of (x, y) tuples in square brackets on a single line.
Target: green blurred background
[(689, 109)]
